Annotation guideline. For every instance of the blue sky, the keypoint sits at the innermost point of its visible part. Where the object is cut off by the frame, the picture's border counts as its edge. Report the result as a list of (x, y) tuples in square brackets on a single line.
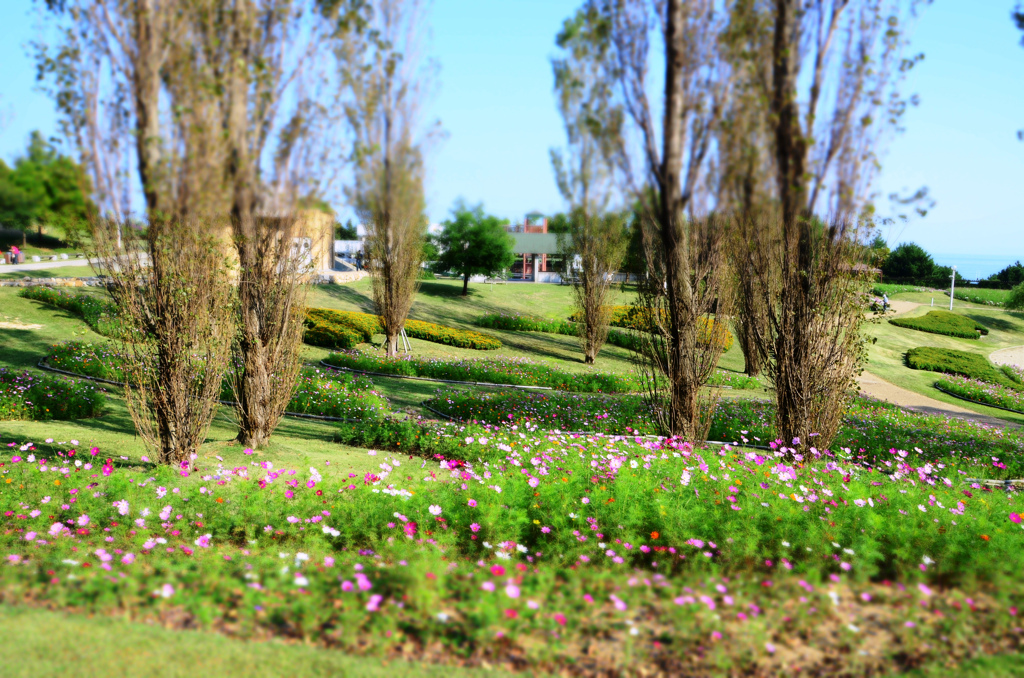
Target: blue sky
[(496, 104)]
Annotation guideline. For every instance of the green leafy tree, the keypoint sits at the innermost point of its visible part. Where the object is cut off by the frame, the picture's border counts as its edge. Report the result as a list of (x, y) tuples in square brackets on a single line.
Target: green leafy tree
[(1016, 300), (473, 243), (44, 187), (1010, 276), (346, 231), (909, 263)]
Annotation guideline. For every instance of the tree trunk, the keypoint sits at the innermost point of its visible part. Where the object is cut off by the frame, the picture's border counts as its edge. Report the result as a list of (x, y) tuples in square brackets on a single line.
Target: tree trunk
[(255, 420), (147, 103), (392, 342), (465, 285)]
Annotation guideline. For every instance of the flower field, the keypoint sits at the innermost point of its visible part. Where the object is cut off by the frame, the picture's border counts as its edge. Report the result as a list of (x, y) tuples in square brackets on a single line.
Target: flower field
[(535, 546), (511, 371), (27, 396), (983, 392)]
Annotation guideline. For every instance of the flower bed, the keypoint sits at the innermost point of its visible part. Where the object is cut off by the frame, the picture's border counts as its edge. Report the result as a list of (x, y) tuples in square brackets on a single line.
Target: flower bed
[(341, 329), (24, 395), (507, 371), (100, 315), (943, 322), (598, 414), (317, 392), (654, 550), (983, 392)]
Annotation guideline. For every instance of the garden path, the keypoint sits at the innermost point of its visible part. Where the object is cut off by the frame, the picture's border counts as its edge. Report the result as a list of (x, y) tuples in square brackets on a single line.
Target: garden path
[(1008, 356), (876, 387)]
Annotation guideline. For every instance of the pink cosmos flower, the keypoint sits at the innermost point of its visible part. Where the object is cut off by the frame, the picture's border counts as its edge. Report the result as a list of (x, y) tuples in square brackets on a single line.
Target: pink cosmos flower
[(512, 591), (374, 603), (472, 503), (1015, 518), (30, 536), (203, 541)]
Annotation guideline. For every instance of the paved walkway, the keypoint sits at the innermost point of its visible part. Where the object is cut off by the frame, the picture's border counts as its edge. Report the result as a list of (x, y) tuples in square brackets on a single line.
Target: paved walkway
[(42, 265), (1008, 356), (879, 388)]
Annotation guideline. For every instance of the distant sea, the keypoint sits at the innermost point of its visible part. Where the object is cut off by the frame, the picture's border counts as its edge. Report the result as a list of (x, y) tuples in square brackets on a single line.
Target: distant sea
[(977, 266)]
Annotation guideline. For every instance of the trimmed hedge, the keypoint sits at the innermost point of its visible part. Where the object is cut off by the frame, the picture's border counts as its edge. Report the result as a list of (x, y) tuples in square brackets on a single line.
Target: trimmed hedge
[(962, 363), (101, 316), (943, 322), (344, 329)]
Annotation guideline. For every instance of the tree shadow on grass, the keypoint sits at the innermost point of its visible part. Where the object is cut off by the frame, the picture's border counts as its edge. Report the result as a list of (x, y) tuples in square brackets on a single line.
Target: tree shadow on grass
[(349, 295), (1000, 324)]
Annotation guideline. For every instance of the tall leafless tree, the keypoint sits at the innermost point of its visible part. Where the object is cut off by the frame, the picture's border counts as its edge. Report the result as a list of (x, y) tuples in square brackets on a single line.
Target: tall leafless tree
[(684, 276), (825, 141), (175, 296), (385, 83), (595, 244)]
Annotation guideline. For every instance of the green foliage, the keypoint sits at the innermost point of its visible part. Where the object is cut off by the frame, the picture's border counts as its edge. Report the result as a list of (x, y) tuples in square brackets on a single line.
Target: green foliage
[(473, 243), (943, 322), (518, 322), (909, 263), (102, 316), (1015, 301), (952, 361), (27, 396), (1009, 277), (44, 188), (344, 329), (346, 231), (510, 371)]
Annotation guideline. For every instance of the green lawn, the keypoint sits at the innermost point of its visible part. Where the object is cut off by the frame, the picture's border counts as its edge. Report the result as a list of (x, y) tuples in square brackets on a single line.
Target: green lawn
[(886, 355), (46, 643)]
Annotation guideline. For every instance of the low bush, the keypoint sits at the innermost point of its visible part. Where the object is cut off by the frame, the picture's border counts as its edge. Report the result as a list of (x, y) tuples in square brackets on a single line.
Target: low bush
[(24, 395), (952, 361), (983, 392), (100, 315), (510, 371), (517, 322), (340, 329), (943, 322), (1015, 302)]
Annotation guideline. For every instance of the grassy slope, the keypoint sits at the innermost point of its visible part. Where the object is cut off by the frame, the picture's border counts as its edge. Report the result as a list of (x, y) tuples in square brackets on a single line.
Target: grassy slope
[(886, 356), (45, 643), (441, 301)]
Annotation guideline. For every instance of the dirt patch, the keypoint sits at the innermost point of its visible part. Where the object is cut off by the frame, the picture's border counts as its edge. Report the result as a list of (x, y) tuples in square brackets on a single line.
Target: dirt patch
[(876, 387), (1008, 356), (15, 325)]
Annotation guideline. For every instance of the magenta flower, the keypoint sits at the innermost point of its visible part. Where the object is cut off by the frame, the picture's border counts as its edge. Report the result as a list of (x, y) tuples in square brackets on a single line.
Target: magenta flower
[(472, 503), (203, 541), (1015, 518)]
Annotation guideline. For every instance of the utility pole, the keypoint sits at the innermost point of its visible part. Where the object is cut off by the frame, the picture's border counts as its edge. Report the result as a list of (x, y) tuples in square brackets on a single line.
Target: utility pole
[(952, 287)]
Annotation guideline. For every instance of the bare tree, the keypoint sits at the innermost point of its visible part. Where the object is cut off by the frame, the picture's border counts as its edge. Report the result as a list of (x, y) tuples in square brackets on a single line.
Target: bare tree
[(684, 276), (271, 309), (854, 52), (593, 249), (172, 288), (385, 86), (595, 244)]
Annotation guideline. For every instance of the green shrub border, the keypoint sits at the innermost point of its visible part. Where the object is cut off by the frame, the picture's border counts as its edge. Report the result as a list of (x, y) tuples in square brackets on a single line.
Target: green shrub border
[(942, 322), (330, 328), (954, 361)]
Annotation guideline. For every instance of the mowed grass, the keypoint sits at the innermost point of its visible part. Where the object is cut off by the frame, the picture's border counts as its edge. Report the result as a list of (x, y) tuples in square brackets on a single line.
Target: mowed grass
[(46, 643), (886, 357), (441, 301)]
